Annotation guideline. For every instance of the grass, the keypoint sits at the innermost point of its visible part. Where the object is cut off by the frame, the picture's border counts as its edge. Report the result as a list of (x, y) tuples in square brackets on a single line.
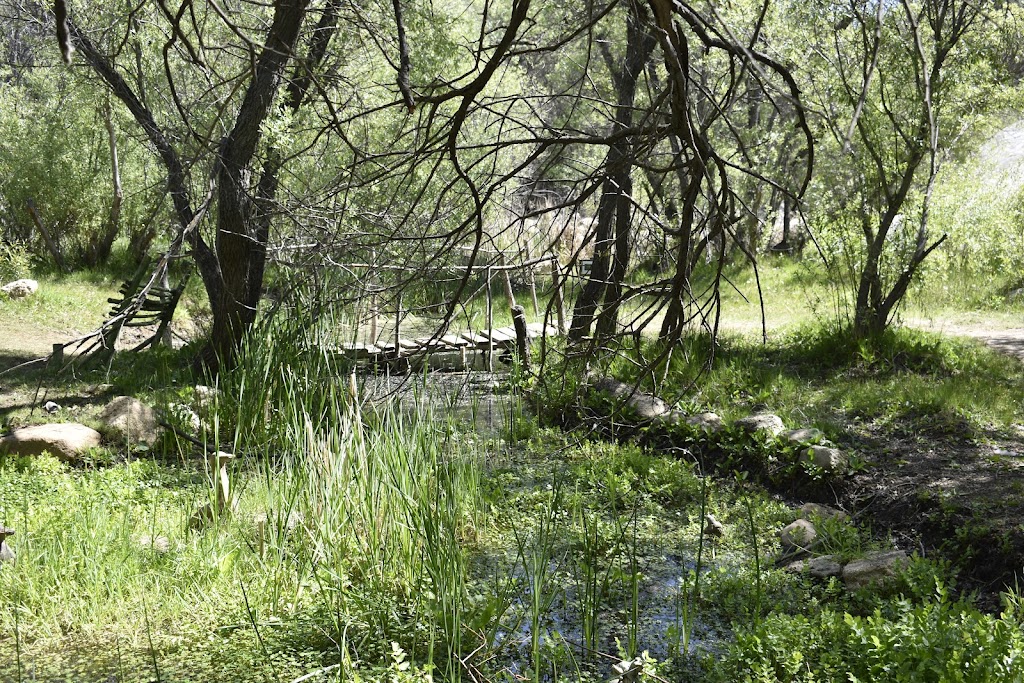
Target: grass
[(821, 377), (383, 540)]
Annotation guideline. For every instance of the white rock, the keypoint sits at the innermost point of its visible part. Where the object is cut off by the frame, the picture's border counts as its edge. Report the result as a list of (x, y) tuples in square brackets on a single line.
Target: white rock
[(158, 544), (799, 535), (823, 567), (65, 441), (206, 397), (873, 567), (642, 405), (131, 420), (831, 460), (19, 289), (186, 416), (762, 422), (707, 422)]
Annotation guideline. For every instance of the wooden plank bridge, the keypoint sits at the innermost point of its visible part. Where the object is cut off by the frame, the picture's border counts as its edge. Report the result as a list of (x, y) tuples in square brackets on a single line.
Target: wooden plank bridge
[(485, 342)]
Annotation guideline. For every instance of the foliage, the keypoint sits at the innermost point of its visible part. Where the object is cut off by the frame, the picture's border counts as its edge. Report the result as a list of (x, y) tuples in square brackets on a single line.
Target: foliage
[(939, 639)]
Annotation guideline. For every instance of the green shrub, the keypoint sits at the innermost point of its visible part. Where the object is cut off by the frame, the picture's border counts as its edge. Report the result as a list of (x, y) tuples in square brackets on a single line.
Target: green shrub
[(937, 640)]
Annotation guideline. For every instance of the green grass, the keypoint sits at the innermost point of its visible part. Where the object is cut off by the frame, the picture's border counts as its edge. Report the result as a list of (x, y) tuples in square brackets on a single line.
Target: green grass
[(822, 377), (417, 547)]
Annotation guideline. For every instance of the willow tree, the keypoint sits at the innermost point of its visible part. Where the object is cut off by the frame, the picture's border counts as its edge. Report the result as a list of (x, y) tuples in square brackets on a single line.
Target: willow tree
[(203, 110), (884, 79)]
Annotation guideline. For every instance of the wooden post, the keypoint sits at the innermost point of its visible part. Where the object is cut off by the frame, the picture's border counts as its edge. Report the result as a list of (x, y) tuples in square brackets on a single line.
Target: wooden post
[(374, 309), (57, 357), (532, 279), (374, 314), (398, 326), (490, 324), (506, 280), (166, 338), (558, 293), (522, 337)]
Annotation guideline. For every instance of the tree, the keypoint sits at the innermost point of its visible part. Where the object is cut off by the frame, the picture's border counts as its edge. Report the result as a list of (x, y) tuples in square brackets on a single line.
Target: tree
[(882, 77), (233, 268)]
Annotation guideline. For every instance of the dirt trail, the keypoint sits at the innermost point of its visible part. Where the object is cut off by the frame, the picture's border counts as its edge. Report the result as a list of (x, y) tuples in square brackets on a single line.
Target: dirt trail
[(1003, 339)]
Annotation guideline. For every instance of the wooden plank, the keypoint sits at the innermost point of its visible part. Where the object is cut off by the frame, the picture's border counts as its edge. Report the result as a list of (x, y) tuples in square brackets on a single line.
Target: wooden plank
[(475, 339), (429, 343), (502, 335), (358, 351), (408, 345), (540, 330), (456, 341)]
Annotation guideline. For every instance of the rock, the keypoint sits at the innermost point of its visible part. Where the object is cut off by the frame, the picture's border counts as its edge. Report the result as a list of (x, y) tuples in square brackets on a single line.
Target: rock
[(612, 387), (98, 389), (187, 417), (262, 519), (6, 554), (831, 460), (158, 544), (807, 435), (644, 406), (628, 670), (647, 407), (131, 420), (66, 441), (873, 567), (809, 511), (824, 567), (671, 418), (800, 535), (206, 397), (19, 289), (762, 422), (706, 422)]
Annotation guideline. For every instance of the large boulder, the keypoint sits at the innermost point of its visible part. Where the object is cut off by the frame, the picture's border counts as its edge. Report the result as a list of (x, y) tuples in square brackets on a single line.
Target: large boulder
[(67, 441), (131, 420), (761, 423), (874, 567), (19, 289), (644, 406), (705, 422)]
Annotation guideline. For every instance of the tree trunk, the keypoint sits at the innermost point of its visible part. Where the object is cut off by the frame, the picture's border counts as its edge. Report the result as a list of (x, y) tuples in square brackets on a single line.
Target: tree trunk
[(612, 250), (241, 240), (100, 251)]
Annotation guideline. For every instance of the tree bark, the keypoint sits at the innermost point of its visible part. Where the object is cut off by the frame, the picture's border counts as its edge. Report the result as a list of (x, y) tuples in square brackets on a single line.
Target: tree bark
[(100, 251), (241, 240), (615, 210)]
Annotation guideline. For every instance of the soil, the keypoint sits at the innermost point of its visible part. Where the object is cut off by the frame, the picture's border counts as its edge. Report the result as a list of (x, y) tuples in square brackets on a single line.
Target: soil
[(943, 491)]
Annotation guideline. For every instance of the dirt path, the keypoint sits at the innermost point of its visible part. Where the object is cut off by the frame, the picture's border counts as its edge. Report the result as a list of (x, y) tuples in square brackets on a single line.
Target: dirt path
[(1005, 340)]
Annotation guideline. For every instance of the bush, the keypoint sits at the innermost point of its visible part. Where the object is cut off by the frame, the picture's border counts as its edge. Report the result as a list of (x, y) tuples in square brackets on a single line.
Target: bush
[(15, 262)]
